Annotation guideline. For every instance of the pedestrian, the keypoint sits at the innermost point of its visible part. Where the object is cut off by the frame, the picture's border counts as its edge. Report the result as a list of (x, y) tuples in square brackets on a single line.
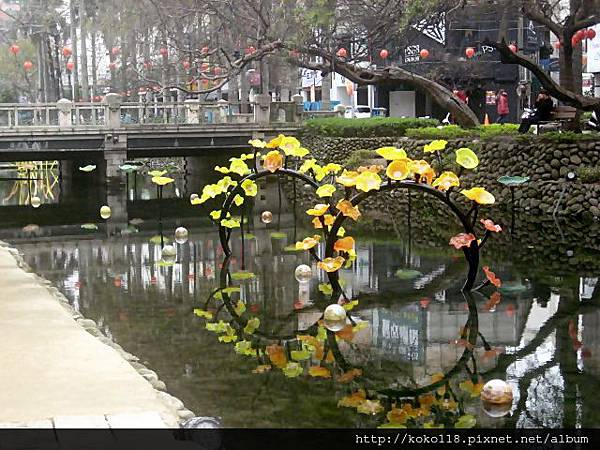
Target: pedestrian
[(543, 111), (502, 106)]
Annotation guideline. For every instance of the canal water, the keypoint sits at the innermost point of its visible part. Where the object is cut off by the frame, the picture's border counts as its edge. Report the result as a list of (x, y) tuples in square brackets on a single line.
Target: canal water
[(412, 326)]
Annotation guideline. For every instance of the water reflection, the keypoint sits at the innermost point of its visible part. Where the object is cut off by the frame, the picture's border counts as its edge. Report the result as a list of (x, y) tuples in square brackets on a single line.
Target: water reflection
[(539, 333)]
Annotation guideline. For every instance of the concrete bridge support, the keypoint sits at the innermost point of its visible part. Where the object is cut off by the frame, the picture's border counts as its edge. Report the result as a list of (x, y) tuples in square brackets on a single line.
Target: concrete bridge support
[(115, 154)]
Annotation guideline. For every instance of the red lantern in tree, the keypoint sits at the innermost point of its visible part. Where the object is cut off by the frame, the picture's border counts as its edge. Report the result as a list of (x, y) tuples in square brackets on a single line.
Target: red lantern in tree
[(575, 41), (70, 66), (513, 48), (470, 52), (342, 53), (591, 34), (27, 65), (66, 51), (581, 34), (112, 66), (115, 51), (250, 50), (557, 45), (14, 49), (186, 64), (164, 51), (424, 53), (205, 50), (384, 54)]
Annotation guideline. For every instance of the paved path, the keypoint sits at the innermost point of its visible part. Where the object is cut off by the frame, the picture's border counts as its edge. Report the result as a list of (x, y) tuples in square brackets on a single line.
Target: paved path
[(55, 374)]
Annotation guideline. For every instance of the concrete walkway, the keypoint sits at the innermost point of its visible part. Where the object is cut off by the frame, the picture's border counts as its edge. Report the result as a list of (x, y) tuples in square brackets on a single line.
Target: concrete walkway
[(55, 374)]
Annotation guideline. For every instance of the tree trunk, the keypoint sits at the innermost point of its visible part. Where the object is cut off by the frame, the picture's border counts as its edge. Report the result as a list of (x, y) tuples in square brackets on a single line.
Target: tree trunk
[(84, 61), (73, 32), (94, 64)]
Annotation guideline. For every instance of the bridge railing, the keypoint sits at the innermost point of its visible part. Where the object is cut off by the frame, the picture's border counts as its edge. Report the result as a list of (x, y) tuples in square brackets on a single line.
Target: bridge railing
[(114, 113)]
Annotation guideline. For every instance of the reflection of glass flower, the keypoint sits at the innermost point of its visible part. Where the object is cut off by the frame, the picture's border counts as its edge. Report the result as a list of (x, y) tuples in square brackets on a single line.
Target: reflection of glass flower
[(491, 226), (466, 158), (446, 180), (318, 210), (435, 146), (398, 169), (462, 240), (368, 181), (391, 153), (326, 190), (273, 161), (347, 178), (162, 181), (308, 243), (492, 277), (157, 173), (331, 264), (344, 245), (348, 210), (230, 223), (479, 195)]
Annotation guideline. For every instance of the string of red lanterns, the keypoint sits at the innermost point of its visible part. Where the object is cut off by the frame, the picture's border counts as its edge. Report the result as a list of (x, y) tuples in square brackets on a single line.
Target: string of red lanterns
[(70, 66), (27, 65), (14, 49), (342, 53)]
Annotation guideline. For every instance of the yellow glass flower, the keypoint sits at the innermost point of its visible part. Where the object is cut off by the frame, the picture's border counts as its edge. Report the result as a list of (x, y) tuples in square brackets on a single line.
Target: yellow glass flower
[(212, 190), (329, 219), (466, 158), (368, 181), (221, 169), (230, 223), (326, 190), (399, 169), (331, 264), (428, 176), (375, 168), (273, 161), (307, 165), (344, 245), (257, 143), (347, 178), (318, 210), (238, 166), (238, 200), (162, 181), (446, 180), (308, 243), (290, 145), (275, 142), (419, 167), (435, 146), (348, 210), (215, 215), (479, 195), (332, 168), (225, 182), (391, 153), (250, 188), (317, 223)]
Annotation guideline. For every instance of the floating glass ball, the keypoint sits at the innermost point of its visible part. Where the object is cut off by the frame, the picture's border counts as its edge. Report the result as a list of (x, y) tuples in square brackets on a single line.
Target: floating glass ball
[(181, 235), (497, 392), (303, 273), (105, 212), (266, 217), (168, 254), (496, 410), (334, 318), (36, 202)]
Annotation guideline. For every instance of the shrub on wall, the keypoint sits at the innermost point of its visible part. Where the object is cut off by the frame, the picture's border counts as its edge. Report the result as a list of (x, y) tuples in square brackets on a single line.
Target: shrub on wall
[(369, 127), (454, 132), (589, 174)]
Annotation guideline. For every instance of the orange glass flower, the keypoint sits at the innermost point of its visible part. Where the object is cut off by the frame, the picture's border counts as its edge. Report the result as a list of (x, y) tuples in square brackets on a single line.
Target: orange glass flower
[(491, 226), (331, 264), (462, 240), (273, 161), (308, 243), (492, 277), (344, 245), (348, 210)]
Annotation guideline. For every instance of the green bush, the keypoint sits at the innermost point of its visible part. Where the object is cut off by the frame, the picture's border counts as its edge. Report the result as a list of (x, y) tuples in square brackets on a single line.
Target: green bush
[(455, 132), (359, 158), (370, 127), (589, 174)]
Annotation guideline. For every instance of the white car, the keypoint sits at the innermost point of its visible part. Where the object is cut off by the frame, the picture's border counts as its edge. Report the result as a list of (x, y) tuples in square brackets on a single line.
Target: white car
[(358, 112)]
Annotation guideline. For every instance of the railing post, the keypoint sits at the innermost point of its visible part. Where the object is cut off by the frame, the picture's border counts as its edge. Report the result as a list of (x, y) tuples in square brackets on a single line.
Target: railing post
[(299, 107), (262, 108), (223, 111), (192, 110), (65, 108), (113, 110)]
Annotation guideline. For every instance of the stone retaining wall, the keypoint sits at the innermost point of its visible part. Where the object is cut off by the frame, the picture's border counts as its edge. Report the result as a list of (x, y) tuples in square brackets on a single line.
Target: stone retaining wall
[(545, 162)]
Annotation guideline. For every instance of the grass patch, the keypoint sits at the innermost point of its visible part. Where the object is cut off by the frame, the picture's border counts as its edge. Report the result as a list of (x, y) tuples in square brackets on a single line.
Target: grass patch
[(370, 127), (456, 132), (589, 174)]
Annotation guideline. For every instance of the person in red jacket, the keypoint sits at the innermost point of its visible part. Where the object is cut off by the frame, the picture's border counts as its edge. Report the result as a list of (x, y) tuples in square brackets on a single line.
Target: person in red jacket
[(502, 106)]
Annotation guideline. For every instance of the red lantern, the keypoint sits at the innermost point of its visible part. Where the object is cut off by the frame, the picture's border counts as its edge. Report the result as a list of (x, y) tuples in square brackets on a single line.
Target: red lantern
[(14, 49), (70, 66), (66, 51), (424, 53), (250, 50), (581, 34), (591, 34), (112, 66), (115, 51), (557, 45), (164, 51), (27, 65), (342, 53), (470, 52), (205, 50), (384, 54), (575, 41), (513, 48), (186, 65)]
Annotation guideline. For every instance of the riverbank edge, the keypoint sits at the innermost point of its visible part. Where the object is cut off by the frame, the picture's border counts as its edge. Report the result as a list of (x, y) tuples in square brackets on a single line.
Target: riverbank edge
[(92, 328)]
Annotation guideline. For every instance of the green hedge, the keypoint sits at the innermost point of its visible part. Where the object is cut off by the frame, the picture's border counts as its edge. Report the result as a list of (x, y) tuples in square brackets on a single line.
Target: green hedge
[(454, 132), (370, 127)]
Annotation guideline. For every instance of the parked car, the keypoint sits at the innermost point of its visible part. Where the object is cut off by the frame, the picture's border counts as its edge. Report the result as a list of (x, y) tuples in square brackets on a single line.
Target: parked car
[(357, 112)]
